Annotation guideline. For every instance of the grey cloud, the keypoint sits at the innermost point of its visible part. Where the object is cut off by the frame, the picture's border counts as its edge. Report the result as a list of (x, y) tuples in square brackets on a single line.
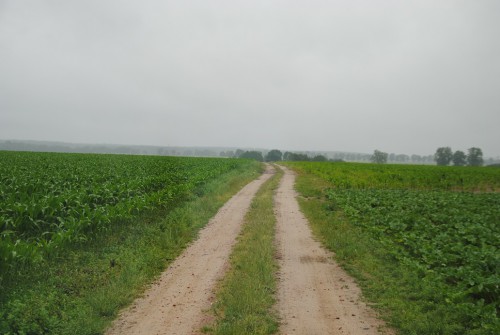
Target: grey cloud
[(327, 75)]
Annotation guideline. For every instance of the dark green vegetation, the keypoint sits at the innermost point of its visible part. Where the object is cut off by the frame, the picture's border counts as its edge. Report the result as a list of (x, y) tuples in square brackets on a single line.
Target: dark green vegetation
[(257, 155), (422, 241), (47, 200), (444, 156), (379, 157), (371, 176), (146, 210), (298, 157), (274, 156), (246, 296)]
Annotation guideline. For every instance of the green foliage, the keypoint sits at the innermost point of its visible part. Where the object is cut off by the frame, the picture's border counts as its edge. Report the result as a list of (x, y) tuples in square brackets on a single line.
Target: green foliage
[(274, 156), (245, 300), (422, 177), (292, 156), (257, 155), (319, 158), (475, 157), (459, 158), (36, 319), (48, 200), (454, 236), (81, 287), (443, 156), (379, 157), (448, 240)]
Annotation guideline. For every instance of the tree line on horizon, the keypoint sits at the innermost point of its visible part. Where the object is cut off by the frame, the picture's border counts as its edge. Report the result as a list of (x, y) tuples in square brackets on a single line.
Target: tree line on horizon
[(341, 157), (443, 156), (275, 155)]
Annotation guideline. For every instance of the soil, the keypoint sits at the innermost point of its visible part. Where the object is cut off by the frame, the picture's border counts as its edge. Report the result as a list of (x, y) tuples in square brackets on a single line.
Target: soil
[(315, 296), (175, 303)]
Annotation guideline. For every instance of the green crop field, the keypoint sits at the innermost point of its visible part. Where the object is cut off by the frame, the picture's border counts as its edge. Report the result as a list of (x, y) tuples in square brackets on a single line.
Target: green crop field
[(438, 225), (49, 199), (82, 234)]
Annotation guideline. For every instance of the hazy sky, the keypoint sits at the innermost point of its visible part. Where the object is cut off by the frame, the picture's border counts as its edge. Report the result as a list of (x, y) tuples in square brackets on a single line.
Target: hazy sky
[(398, 76)]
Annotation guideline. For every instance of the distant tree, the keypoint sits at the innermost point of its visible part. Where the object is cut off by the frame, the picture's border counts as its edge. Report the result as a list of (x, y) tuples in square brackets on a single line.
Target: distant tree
[(229, 154), (416, 158), (292, 156), (274, 156), (238, 153), (365, 157), (402, 158), (319, 158), (257, 155), (459, 158), (475, 157), (339, 156), (443, 156), (300, 157), (204, 153), (379, 157)]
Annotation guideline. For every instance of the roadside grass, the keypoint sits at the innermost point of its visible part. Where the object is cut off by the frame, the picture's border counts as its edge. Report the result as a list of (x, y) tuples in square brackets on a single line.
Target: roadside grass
[(246, 298), (410, 303), (81, 289)]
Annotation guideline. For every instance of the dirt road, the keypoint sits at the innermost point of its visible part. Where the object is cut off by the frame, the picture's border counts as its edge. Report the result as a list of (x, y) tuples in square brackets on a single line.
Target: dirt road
[(175, 303), (315, 296)]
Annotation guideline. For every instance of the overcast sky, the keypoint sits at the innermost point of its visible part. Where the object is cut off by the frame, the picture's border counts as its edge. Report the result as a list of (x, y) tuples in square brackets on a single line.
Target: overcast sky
[(398, 76)]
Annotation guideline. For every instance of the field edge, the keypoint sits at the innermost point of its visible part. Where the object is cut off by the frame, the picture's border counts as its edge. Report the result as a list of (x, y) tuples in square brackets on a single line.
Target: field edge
[(82, 289)]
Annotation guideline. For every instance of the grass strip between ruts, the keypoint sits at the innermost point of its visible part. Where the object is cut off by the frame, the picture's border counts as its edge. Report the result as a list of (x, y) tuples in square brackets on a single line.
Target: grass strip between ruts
[(246, 295)]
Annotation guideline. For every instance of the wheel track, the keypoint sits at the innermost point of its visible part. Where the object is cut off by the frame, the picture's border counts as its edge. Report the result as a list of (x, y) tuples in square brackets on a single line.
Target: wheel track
[(175, 303), (315, 295)]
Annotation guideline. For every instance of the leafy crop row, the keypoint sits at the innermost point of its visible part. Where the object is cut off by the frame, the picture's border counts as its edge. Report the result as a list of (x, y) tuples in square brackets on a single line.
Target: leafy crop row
[(427, 220), (422, 177), (49, 199), (452, 238)]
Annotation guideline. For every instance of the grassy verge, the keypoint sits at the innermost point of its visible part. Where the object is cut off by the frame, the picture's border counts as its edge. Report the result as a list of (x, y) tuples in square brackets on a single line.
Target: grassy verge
[(411, 303), (246, 296), (81, 290)]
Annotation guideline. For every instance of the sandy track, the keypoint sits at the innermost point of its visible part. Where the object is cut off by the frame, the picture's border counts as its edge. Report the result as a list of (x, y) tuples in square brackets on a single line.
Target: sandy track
[(315, 296), (175, 303)]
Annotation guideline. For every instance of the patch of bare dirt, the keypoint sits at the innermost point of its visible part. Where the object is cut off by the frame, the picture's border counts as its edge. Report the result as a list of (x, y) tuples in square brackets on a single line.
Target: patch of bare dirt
[(174, 304), (315, 295)]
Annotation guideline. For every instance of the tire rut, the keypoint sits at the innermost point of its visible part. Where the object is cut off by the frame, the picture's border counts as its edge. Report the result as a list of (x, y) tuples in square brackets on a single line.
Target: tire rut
[(176, 302), (315, 295)]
